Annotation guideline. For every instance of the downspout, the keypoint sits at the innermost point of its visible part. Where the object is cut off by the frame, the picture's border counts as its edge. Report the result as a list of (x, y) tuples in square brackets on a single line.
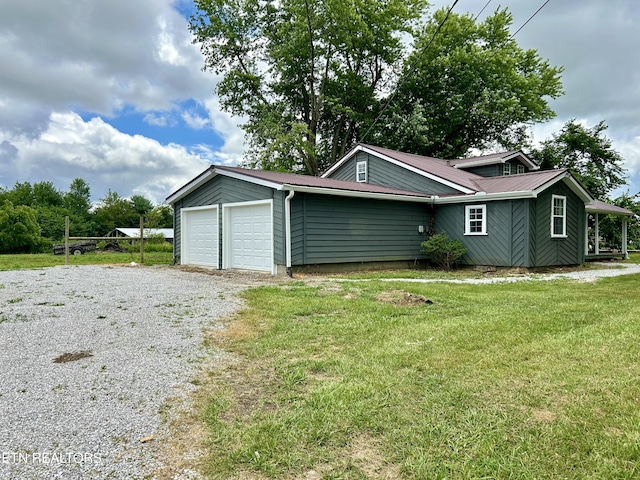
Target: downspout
[(287, 223)]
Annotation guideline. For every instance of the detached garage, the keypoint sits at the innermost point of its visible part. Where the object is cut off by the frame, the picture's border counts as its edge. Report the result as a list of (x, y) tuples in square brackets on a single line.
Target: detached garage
[(235, 218)]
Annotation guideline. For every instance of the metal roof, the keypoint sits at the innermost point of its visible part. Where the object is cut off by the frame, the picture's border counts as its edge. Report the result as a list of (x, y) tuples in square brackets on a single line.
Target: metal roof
[(135, 232), (292, 179), (602, 207)]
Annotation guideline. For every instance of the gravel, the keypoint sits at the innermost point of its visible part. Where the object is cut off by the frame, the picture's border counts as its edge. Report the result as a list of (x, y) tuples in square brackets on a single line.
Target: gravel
[(604, 270), (132, 336)]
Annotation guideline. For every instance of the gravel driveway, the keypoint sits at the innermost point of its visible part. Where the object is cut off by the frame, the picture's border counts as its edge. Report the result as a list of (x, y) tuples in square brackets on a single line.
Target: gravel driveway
[(89, 358)]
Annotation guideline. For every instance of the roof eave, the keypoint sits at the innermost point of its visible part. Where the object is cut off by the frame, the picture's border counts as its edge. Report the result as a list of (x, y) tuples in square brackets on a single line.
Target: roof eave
[(492, 161), (358, 194), (486, 197), (191, 185)]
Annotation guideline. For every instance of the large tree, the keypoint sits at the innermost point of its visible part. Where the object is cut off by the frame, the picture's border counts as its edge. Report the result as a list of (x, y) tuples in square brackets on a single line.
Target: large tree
[(19, 229), (467, 85), (305, 74), (312, 78), (588, 153)]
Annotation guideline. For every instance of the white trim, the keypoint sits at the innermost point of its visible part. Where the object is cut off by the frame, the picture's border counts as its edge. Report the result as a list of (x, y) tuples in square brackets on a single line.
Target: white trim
[(226, 231), (467, 219), (287, 226), (398, 163), (496, 160), (355, 193), (506, 169), (250, 179), (191, 186), (485, 197), (572, 184), (184, 259), (520, 167), (361, 163), (554, 216)]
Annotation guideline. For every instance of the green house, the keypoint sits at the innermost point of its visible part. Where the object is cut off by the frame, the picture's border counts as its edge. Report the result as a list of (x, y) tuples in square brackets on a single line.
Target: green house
[(376, 206)]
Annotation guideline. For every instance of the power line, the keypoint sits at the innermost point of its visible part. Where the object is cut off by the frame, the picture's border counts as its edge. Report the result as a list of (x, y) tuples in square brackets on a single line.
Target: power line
[(411, 71)]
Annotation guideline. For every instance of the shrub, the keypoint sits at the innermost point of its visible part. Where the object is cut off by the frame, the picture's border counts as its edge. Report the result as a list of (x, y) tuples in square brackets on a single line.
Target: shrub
[(442, 250)]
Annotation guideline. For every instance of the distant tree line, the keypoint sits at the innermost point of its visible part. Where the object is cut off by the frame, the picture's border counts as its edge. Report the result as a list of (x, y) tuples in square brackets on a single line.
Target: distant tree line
[(32, 217)]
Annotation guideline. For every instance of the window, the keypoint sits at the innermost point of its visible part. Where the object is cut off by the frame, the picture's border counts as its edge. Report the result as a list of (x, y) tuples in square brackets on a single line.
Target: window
[(506, 169), (520, 169), (361, 171), (475, 220), (558, 216)]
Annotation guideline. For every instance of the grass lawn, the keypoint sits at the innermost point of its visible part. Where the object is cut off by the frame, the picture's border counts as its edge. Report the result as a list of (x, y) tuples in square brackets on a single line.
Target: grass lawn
[(364, 380), (41, 260)]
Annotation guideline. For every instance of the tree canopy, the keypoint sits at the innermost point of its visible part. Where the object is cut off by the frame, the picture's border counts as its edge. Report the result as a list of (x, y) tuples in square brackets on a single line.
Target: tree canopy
[(586, 152), (312, 78), (32, 216)]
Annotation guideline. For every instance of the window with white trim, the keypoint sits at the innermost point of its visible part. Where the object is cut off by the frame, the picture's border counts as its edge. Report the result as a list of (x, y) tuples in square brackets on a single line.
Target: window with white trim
[(520, 169), (558, 216), (475, 220), (361, 171), (506, 169)]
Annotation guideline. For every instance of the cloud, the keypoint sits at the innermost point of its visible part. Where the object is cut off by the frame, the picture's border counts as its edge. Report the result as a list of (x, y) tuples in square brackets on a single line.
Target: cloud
[(104, 157)]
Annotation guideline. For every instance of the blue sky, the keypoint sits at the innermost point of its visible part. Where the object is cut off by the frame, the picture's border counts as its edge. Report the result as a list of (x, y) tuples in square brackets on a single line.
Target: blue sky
[(114, 92)]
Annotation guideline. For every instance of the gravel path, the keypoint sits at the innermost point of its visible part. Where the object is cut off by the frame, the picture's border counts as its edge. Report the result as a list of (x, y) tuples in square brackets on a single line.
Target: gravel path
[(84, 418), (605, 270)]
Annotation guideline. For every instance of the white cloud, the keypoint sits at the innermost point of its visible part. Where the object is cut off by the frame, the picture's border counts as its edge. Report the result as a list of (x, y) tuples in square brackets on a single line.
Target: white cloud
[(105, 157)]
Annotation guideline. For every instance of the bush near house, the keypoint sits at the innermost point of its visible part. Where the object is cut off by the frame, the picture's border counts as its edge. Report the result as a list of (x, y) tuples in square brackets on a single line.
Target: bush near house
[(443, 251)]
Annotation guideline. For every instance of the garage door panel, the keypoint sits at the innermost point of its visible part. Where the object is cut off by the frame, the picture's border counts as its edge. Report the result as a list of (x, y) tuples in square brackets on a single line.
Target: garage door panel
[(251, 237), (200, 242)]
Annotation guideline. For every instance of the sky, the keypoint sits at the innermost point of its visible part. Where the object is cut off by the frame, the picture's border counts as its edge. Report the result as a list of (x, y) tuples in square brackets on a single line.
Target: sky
[(114, 92)]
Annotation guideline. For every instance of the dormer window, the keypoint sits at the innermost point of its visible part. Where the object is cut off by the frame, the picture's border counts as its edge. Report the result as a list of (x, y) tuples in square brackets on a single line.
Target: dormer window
[(506, 169), (361, 171), (520, 169)]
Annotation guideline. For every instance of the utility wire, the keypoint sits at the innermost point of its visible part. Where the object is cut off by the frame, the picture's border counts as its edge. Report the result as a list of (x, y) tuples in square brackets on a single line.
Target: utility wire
[(413, 67), (411, 71)]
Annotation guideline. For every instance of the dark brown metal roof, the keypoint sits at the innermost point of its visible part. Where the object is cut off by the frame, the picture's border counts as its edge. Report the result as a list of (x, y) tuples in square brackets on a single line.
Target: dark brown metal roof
[(602, 207), (517, 183), (491, 156), (430, 165), (281, 178)]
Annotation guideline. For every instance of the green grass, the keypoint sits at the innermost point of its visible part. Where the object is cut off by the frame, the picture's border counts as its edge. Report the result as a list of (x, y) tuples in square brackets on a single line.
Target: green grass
[(41, 260), (528, 380)]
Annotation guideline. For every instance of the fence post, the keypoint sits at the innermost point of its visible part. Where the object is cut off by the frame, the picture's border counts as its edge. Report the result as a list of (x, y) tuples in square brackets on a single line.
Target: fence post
[(141, 240), (66, 240)]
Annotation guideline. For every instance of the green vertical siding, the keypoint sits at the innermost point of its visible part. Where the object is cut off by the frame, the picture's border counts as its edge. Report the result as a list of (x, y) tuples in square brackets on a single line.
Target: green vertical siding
[(329, 229), (558, 251), (486, 170), (220, 190), (504, 224), (381, 172)]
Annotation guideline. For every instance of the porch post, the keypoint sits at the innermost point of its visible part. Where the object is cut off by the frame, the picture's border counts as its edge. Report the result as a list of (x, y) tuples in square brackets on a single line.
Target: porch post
[(624, 238), (597, 242), (586, 234)]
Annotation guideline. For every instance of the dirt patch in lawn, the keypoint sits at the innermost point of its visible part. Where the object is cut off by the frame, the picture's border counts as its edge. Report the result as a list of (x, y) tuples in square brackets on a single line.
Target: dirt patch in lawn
[(400, 297)]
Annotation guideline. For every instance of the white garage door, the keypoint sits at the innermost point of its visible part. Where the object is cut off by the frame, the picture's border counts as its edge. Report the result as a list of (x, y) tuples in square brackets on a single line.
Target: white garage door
[(199, 235), (250, 237)]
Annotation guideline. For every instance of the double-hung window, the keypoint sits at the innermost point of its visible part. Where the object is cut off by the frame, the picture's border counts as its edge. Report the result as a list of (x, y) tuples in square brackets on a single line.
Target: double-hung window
[(475, 220), (361, 171), (520, 169), (506, 169), (558, 216)]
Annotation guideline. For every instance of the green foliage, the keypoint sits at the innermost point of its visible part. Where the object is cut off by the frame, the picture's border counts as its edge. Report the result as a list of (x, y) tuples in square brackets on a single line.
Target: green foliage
[(610, 226), (472, 87), (305, 74), (19, 229), (311, 78), (442, 250), (588, 154)]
